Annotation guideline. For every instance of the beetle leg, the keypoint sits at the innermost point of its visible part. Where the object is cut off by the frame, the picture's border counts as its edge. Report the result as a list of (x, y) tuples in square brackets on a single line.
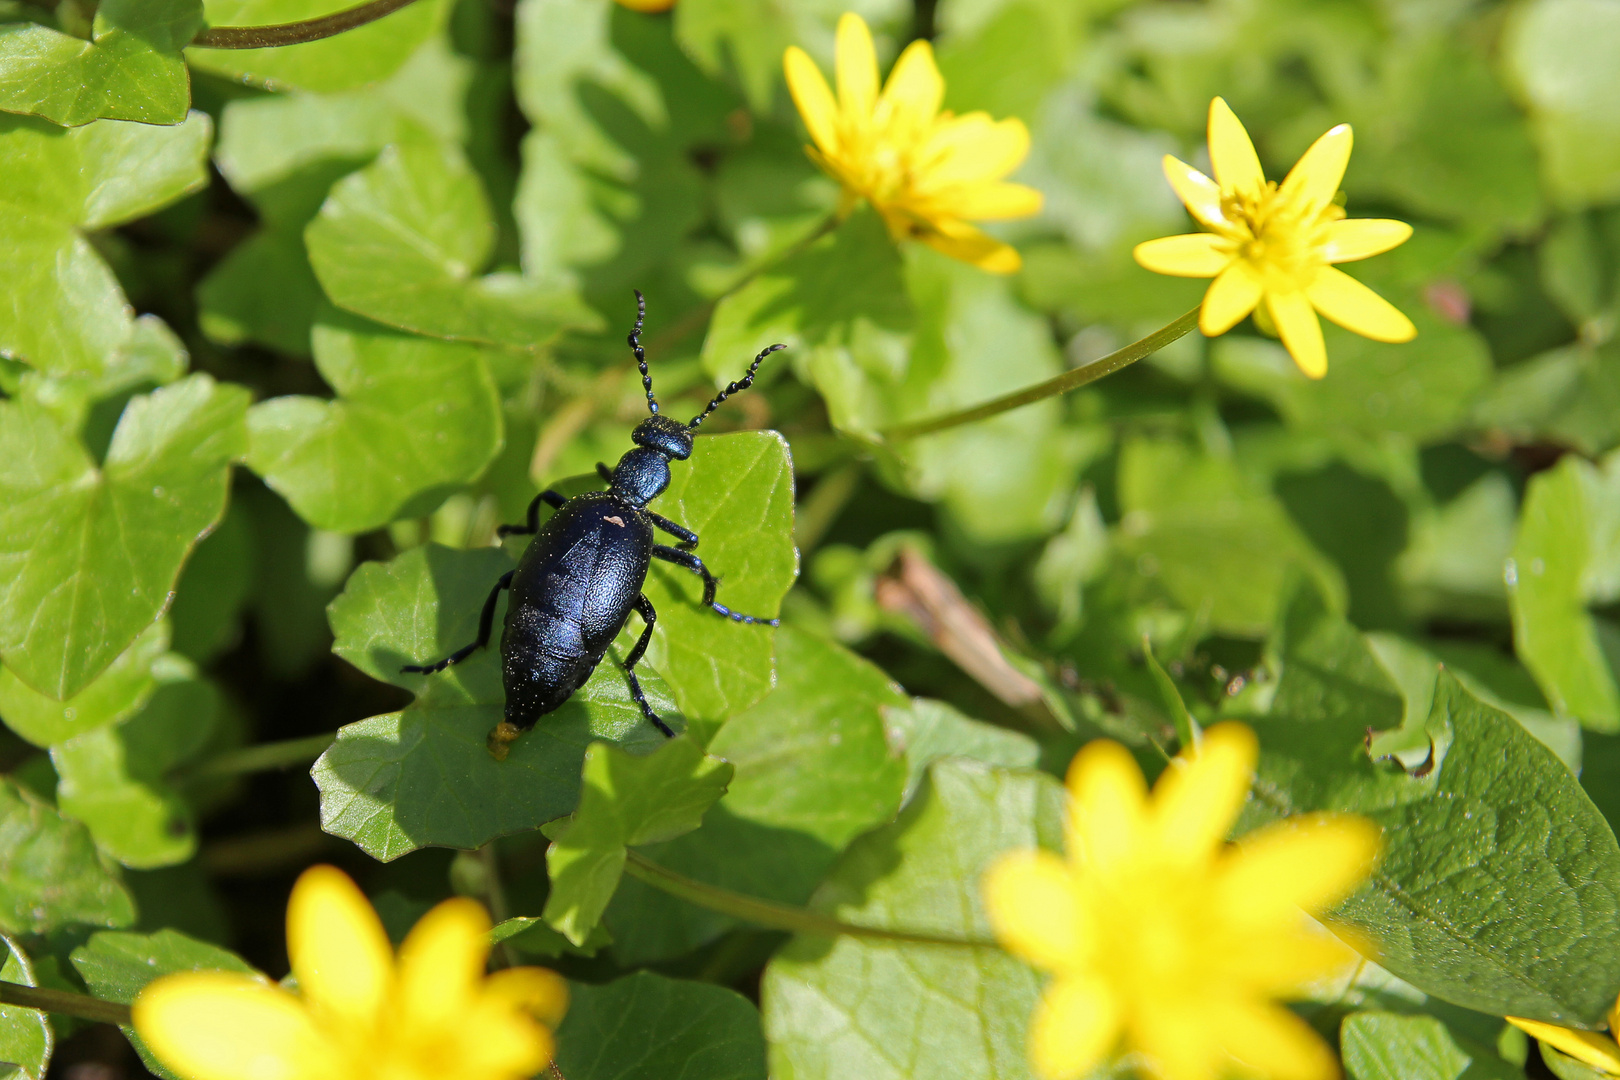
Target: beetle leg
[(550, 498), (710, 583), (486, 620), (688, 539), (605, 473), (650, 617)]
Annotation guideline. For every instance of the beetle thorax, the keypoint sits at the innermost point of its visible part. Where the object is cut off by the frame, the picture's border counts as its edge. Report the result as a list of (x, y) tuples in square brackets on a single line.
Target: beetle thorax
[(641, 476)]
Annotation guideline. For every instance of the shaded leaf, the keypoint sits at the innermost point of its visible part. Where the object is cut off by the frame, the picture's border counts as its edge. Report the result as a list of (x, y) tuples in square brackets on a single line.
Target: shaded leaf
[(50, 874), (1389, 1046), (91, 554), (626, 801), (26, 1038), (648, 1027)]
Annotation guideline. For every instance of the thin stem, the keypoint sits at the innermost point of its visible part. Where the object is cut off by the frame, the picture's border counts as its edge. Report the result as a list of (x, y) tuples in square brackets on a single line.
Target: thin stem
[(769, 913), (1062, 384), (261, 758), (65, 1002), (296, 33), (495, 894)]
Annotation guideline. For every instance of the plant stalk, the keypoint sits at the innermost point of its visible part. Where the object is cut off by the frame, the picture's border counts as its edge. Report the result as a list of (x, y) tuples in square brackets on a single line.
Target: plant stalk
[(1061, 384), (261, 758), (65, 1003), (295, 33), (769, 913)]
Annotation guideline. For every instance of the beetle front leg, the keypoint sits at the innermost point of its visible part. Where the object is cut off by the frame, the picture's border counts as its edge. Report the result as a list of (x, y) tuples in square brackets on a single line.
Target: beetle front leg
[(688, 539), (710, 583), (486, 620), (649, 615), (550, 498)]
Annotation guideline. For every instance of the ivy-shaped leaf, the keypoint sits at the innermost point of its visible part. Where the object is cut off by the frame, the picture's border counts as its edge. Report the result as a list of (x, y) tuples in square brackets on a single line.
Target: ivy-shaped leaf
[(403, 240), (50, 873), (413, 418), (626, 801), (89, 555), (859, 1009), (61, 309), (649, 1027), (26, 1038), (117, 693), (424, 776), (366, 54), (130, 69)]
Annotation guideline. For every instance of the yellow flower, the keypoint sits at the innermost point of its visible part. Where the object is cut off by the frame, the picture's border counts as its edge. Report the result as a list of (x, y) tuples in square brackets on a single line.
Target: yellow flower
[(358, 1014), (1162, 937), (647, 5), (927, 172), (1588, 1047), (1276, 243)]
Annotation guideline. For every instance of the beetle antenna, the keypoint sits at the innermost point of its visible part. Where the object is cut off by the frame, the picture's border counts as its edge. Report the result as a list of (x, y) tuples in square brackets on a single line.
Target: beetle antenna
[(641, 354), (737, 387)]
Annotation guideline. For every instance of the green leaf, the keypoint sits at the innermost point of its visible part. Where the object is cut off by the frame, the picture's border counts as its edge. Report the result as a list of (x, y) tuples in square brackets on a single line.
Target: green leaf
[(1567, 556), (1558, 51), (931, 730), (1390, 1046), (130, 69), (424, 776), (50, 874), (213, 589), (413, 418), (116, 966), (648, 1027), (853, 1008), (736, 493), (401, 241), (357, 57), (1452, 565), (625, 801), (814, 769), (116, 693), (112, 779), (26, 1038), (1213, 538), (61, 309), (91, 553)]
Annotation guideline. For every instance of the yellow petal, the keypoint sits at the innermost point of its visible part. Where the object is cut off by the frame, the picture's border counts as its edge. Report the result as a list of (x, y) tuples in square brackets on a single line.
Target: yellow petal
[(813, 98), (1200, 194), (1036, 910), (1590, 1047), (340, 953), (1301, 333), (1315, 177), (970, 149), (857, 68), (1231, 296), (648, 6), (1275, 1043), (962, 241), (1355, 307), (441, 961), (1237, 166), (1107, 805), (1183, 1041), (1362, 238), (1192, 255), (1075, 1024), (1199, 795), (914, 91), (216, 1025), (1310, 862), (991, 202), (1279, 962), (539, 992)]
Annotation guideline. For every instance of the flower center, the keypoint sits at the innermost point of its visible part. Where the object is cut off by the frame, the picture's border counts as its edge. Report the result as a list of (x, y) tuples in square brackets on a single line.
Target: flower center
[(1285, 235)]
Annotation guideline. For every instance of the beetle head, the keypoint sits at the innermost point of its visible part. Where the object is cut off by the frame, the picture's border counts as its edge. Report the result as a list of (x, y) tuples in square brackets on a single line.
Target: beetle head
[(669, 437)]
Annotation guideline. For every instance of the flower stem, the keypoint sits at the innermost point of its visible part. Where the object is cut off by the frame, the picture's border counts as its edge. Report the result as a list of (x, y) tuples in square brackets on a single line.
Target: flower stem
[(769, 913), (64, 1002), (1061, 384), (296, 33), (260, 758)]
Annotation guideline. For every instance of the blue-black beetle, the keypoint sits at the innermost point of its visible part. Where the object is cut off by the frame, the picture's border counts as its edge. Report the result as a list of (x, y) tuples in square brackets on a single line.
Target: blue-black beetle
[(575, 586)]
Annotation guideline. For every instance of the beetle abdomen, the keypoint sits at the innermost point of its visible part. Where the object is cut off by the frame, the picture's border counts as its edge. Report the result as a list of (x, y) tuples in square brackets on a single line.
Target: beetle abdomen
[(573, 590)]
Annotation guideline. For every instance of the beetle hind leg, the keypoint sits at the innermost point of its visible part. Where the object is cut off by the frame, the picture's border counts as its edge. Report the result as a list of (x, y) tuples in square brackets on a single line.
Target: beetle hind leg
[(710, 584), (486, 620), (532, 526), (650, 617)]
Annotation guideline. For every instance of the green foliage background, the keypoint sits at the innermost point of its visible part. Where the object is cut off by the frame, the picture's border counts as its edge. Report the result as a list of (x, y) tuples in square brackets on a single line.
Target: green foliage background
[(285, 333)]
